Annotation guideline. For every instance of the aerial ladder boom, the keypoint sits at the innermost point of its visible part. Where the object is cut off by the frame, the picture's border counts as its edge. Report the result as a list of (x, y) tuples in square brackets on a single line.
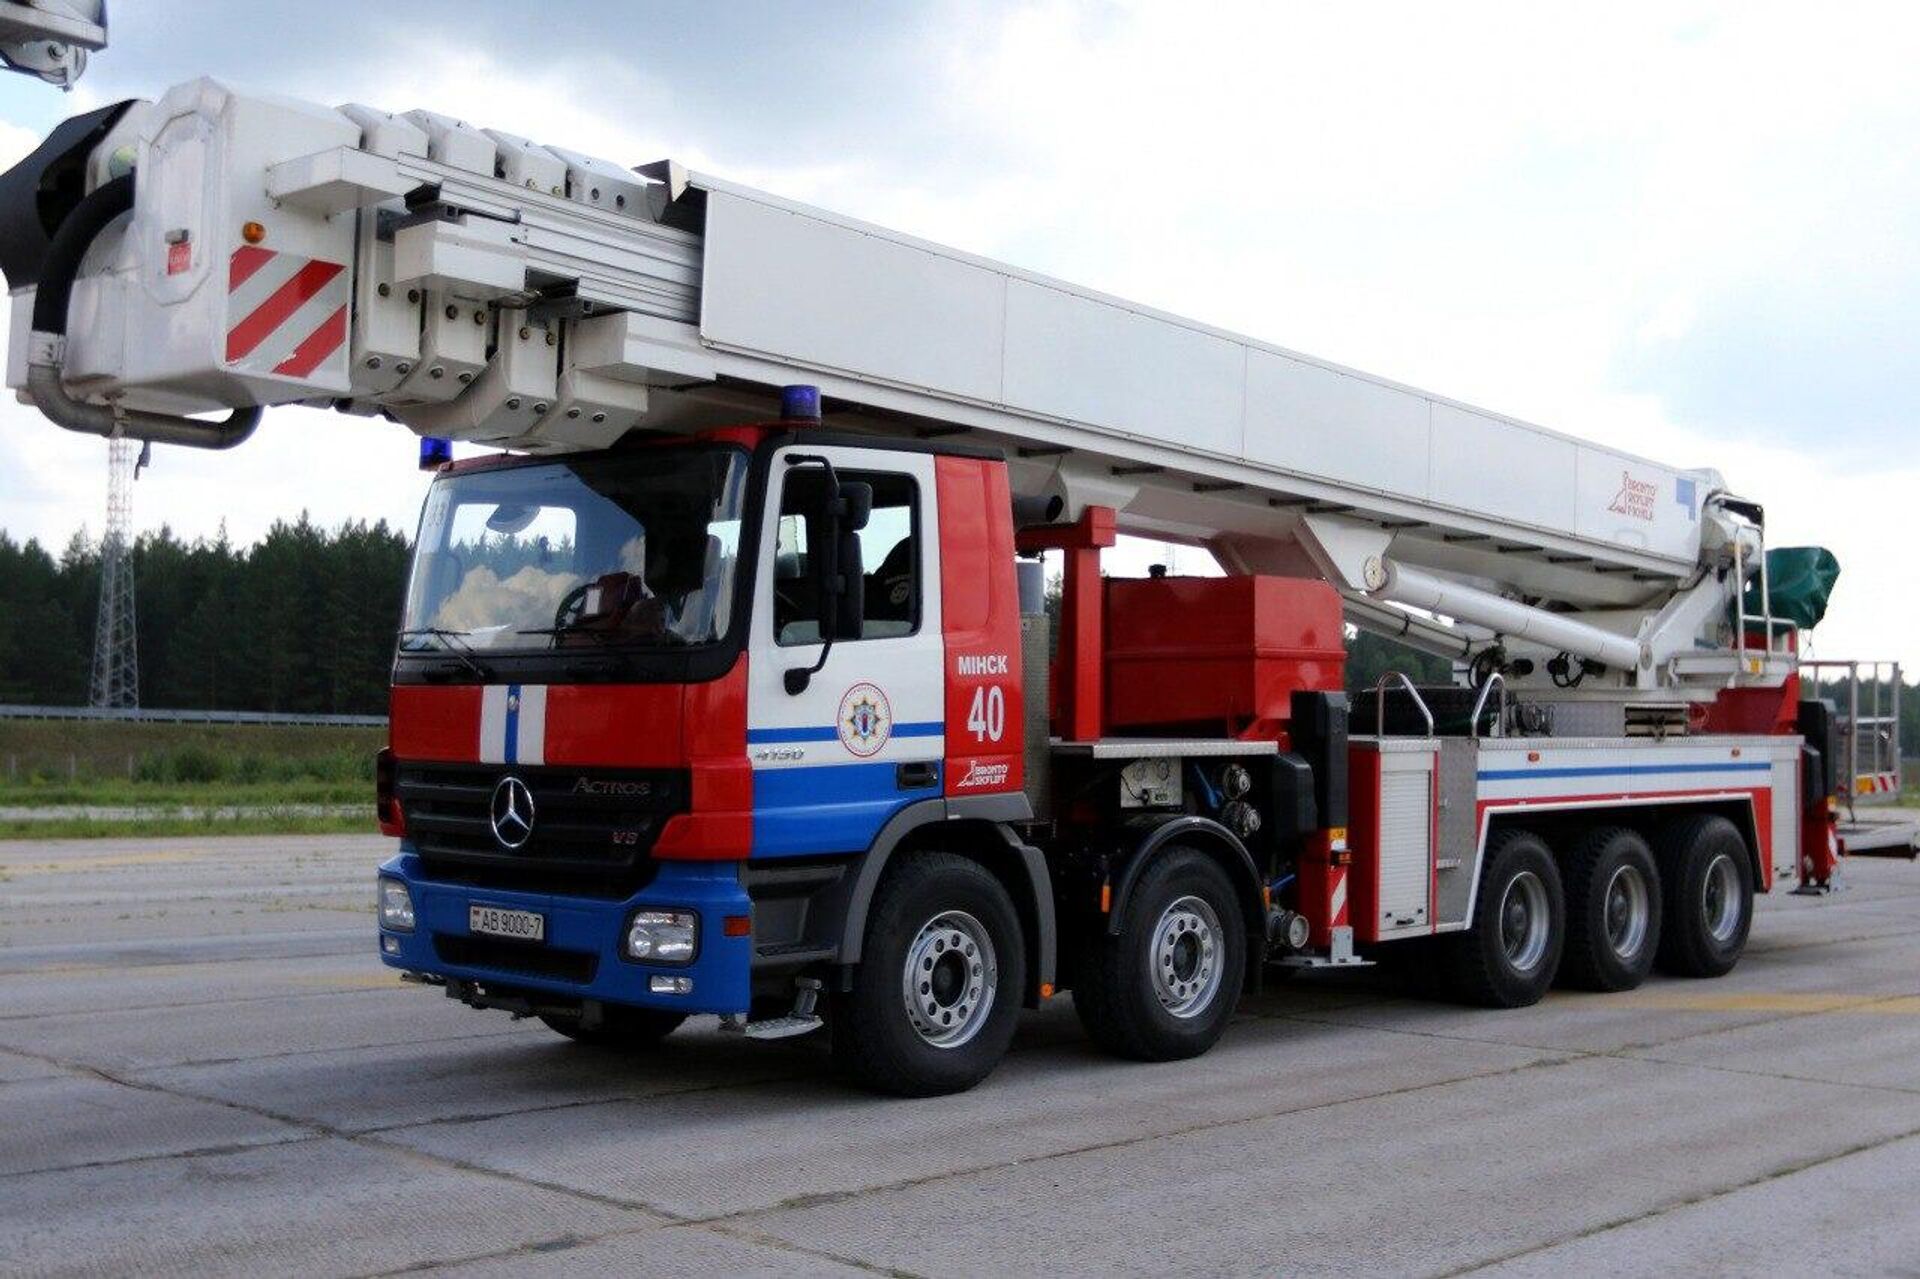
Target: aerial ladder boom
[(215, 251)]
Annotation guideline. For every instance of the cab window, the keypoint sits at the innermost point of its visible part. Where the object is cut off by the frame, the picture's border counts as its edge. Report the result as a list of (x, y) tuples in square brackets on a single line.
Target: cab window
[(889, 557)]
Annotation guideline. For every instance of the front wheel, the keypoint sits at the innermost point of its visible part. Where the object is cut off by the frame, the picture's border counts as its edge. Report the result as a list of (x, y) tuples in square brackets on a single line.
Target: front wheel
[(1709, 896), (1508, 956), (937, 993), (1164, 986)]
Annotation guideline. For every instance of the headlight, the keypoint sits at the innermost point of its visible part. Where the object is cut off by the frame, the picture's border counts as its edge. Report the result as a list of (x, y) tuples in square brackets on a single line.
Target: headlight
[(663, 936), (396, 906)]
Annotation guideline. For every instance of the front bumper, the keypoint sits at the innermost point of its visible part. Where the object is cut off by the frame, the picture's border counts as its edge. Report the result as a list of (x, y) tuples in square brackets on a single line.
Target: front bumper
[(581, 956)]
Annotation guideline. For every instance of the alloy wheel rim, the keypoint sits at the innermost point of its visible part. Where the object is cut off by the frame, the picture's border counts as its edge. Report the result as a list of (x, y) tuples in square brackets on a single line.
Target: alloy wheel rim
[(1185, 955), (1523, 921), (1628, 908), (1720, 898), (949, 979)]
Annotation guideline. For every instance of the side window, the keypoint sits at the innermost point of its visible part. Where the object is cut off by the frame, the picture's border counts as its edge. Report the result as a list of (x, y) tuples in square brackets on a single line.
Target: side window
[(889, 557)]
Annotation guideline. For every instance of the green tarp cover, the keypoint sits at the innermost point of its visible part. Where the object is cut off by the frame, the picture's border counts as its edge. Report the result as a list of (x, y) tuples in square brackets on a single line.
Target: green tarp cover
[(1801, 579)]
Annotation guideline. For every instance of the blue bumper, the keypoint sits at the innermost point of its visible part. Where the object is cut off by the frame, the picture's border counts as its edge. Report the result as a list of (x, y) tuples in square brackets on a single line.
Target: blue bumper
[(583, 938)]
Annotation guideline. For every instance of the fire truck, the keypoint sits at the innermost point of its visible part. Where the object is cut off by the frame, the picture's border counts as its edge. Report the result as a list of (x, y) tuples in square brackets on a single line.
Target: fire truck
[(726, 684)]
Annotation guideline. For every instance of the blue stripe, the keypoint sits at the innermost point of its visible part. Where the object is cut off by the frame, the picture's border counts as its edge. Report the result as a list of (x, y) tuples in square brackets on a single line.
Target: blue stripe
[(1621, 770), (835, 808), (757, 736), (512, 755)]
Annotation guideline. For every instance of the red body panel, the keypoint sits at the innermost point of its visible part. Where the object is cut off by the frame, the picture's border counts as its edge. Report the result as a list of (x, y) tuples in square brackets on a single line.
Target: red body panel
[(1760, 797), (1219, 652), (435, 724), (1363, 841), (700, 727), (980, 611)]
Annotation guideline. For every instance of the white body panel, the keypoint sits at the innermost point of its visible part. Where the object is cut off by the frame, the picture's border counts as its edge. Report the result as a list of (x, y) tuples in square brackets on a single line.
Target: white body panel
[(826, 760), (811, 290)]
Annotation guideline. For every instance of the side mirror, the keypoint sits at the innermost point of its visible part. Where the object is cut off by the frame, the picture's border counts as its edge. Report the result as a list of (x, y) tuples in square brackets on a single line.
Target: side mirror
[(856, 505), (844, 598), (835, 559)]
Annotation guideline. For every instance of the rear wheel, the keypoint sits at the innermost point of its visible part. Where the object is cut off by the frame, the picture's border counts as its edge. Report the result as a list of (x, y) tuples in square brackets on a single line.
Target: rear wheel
[(937, 992), (1508, 955), (620, 1027), (1165, 985), (1709, 896), (1613, 911)]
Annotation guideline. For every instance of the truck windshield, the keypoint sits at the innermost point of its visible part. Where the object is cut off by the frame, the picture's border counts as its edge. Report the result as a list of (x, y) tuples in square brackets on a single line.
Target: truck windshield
[(636, 549)]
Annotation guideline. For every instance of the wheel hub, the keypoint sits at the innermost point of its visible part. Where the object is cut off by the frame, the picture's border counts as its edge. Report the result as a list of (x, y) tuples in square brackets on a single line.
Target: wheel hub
[(1185, 956), (1720, 898), (1524, 921), (1628, 911), (949, 979)]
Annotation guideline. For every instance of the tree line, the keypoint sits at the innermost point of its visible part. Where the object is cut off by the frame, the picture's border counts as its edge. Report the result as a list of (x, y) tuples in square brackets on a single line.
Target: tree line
[(301, 621)]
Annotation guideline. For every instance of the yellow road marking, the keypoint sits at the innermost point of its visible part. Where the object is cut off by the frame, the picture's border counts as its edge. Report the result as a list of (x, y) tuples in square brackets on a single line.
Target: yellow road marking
[(1769, 1002), (98, 861)]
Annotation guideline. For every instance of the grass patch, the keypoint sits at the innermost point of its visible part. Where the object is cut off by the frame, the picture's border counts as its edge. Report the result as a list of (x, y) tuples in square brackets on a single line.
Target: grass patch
[(117, 794), (161, 827), (51, 753)]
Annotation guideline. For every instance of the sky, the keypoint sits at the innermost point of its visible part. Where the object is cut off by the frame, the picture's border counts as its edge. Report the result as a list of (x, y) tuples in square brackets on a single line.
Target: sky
[(1691, 231)]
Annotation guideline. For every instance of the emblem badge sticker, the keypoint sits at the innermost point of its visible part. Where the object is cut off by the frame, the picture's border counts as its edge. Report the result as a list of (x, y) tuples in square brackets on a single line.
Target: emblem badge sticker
[(865, 720)]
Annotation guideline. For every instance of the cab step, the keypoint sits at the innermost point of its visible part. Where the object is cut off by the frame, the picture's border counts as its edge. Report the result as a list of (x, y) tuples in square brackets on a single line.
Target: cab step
[(798, 1022)]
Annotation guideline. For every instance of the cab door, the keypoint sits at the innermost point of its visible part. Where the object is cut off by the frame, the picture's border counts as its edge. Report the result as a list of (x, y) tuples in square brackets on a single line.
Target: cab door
[(866, 736)]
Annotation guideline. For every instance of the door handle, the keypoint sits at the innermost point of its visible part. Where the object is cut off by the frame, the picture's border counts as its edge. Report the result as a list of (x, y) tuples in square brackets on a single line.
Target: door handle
[(917, 776)]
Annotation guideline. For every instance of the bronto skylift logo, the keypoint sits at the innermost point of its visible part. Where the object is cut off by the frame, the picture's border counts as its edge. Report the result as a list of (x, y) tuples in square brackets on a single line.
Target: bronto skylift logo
[(865, 720), (1635, 498)]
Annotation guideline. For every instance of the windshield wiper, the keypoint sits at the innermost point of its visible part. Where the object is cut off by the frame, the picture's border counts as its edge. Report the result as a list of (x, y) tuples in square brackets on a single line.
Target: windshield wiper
[(574, 628), (453, 642)]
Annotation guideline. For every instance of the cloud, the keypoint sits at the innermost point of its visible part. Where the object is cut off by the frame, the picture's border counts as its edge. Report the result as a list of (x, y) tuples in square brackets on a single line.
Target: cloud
[(1682, 229)]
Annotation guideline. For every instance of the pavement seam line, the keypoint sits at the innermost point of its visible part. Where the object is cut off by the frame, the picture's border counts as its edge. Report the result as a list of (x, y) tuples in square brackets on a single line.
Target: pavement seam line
[(804, 1201), (1688, 1201)]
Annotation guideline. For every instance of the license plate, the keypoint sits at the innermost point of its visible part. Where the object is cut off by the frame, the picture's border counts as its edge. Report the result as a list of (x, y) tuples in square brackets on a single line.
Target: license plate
[(520, 925)]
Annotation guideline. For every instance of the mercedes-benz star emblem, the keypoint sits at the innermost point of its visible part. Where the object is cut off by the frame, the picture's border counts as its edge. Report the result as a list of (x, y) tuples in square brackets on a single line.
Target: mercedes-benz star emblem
[(512, 812)]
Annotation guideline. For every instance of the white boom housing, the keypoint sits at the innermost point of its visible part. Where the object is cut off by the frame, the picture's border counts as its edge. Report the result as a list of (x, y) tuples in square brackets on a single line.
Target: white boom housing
[(475, 285)]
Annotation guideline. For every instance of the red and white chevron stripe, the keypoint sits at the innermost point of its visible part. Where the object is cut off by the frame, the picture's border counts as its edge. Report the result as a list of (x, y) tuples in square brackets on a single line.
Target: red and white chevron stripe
[(288, 314)]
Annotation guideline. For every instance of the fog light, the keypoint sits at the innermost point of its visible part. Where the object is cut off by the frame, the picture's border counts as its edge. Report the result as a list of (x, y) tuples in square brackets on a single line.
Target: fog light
[(663, 936), (662, 985), (396, 906), (391, 945)]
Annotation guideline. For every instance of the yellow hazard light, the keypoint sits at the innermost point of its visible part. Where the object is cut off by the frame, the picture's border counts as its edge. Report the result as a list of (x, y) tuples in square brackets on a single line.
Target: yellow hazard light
[(253, 232), (1106, 899)]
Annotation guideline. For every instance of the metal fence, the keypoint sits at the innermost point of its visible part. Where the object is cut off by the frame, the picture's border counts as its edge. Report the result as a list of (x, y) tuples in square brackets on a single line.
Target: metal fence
[(144, 715)]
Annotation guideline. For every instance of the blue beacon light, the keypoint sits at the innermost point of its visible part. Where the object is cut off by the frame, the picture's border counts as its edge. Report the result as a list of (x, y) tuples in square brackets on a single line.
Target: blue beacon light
[(435, 452), (800, 404)]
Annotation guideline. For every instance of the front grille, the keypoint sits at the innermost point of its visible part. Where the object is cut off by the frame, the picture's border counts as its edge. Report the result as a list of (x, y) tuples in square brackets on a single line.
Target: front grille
[(593, 829), (516, 957)]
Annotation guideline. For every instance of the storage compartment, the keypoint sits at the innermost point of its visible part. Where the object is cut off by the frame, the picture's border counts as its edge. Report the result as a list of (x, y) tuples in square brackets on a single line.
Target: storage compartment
[(1214, 652), (1391, 834)]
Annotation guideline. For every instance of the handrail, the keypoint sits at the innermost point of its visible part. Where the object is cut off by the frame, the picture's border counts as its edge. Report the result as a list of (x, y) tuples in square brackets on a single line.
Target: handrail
[(1380, 702), (1480, 704)]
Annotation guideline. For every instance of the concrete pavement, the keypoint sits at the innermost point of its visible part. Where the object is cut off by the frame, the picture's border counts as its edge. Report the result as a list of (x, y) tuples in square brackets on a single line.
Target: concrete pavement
[(204, 1069)]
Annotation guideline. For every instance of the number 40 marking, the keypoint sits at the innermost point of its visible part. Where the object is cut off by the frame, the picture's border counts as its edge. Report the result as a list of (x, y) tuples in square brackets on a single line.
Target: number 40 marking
[(987, 717)]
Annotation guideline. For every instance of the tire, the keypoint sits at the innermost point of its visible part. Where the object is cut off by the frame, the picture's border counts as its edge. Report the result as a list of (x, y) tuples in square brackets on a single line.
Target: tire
[(1164, 986), (1613, 911), (620, 1027), (950, 924), (1708, 886), (1509, 954)]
